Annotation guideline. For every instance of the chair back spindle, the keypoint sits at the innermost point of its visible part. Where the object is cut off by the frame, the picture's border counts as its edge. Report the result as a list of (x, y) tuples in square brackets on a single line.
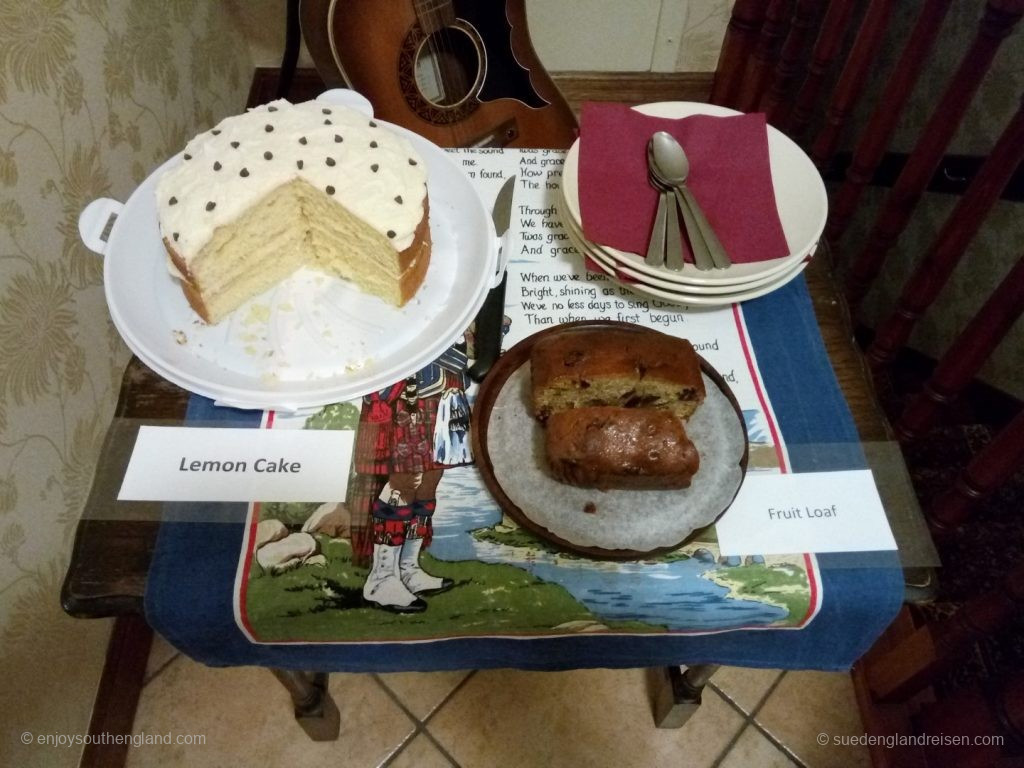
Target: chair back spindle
[(741, 36), (950, 243), (964, 358), (766, 56), (879, 130), (852, 80), (826, 50), (792, 65), (997, 21)]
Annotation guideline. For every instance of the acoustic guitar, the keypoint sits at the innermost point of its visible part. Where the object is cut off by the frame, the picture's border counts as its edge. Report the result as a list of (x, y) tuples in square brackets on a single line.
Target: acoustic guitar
[(461, 73)]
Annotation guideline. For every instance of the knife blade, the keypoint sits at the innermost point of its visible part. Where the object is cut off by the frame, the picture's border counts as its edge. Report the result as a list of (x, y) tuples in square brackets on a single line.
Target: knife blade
[(487, 327)]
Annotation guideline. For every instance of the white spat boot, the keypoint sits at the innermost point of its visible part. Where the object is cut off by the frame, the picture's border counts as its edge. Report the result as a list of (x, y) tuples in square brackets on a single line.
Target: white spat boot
[(384, 587), (415, 579)]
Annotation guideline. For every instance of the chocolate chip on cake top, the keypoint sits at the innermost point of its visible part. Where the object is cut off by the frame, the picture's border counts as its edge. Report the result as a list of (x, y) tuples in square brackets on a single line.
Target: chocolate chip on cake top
[(245, 157)]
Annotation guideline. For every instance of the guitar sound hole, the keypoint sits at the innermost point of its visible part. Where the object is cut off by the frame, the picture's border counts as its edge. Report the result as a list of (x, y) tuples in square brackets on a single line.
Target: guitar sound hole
[(447, 67)]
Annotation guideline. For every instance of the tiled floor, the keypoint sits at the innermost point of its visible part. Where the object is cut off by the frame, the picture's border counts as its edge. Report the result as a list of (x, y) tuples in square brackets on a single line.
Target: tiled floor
[(495, 718)]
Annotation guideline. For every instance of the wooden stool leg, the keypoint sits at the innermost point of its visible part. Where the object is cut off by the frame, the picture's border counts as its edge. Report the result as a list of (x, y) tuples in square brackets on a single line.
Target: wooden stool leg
[(120, 688), (315, 710), (677, 693), (292, 43)]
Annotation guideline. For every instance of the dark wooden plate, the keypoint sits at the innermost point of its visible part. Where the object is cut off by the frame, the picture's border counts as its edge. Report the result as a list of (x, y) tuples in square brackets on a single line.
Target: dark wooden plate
[(487, 395)]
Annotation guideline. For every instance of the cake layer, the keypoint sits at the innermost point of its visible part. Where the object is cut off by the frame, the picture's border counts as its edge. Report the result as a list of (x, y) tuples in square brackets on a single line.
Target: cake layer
[(611, 447)]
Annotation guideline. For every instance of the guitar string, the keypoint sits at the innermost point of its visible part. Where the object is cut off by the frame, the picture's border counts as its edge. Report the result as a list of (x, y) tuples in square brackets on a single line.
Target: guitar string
[(450, 69), (463, 81), (435, 61), (424, 11), (425, 14), (447, 67)]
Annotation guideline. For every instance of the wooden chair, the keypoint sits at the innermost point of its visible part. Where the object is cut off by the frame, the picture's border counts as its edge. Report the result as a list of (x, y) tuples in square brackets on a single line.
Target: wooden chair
[(805, 63)]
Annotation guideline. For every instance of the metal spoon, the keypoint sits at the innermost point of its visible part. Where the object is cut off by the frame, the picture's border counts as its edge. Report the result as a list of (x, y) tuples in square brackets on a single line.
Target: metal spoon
[(672, 166), (673, 244), (656, 245), (701, 255)]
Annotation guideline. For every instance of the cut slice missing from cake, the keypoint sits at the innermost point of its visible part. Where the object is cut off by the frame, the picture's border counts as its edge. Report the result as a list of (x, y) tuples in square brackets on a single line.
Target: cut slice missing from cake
[(285, 186), (613, 367)]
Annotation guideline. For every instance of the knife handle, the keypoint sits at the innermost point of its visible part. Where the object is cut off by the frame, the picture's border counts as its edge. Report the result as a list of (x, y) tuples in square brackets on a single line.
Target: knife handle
[(487, 331)]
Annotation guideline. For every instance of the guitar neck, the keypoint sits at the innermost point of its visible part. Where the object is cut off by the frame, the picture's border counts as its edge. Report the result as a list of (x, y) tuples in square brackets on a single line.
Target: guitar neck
[(433, 15)]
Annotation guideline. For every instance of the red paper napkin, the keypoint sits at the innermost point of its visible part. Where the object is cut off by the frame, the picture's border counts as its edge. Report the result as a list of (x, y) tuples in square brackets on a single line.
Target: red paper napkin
[(730, 176)]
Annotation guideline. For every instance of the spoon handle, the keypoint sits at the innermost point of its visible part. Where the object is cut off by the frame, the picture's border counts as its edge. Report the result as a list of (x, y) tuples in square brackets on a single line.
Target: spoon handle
[(717, 254), (701, 256), (673, 239), (656, 246)]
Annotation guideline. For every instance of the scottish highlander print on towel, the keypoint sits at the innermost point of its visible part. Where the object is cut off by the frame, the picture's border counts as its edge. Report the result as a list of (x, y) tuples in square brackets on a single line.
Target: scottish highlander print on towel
[(420, 549)]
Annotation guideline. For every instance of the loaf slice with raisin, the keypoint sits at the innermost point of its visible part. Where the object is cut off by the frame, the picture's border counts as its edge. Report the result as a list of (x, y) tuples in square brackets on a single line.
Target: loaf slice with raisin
[(615, 367), (608, 447)]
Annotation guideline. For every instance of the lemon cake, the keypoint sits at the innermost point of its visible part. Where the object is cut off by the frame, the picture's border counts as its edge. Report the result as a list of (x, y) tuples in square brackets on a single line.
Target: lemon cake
[(290, 185)]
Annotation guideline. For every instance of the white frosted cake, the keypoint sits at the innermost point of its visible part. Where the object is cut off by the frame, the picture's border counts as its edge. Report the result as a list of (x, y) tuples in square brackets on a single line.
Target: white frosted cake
[(290, 185)]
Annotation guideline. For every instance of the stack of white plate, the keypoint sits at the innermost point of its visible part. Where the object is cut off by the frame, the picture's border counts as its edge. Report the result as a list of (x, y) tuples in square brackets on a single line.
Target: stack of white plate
[(799, 195)]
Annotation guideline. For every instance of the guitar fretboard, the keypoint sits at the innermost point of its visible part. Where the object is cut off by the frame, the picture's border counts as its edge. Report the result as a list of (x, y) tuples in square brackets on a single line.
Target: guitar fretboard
[(433, 14)]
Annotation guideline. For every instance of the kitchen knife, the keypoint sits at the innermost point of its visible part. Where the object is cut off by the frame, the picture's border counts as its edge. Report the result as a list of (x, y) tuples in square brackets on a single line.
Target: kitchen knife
[(488, 327)]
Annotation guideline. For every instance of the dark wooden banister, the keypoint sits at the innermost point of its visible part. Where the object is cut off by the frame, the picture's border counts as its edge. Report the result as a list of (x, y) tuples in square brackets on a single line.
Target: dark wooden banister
[(996, 23), (766, 53), (877, 134), (852, 80), (966, 355), (934, 270), (826, 49), (791, 64), (911, 656), (740, 38), (985, 472)]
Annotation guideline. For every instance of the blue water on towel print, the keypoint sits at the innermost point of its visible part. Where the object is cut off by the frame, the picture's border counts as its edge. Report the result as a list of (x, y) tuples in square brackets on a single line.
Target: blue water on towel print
[(673, 594)]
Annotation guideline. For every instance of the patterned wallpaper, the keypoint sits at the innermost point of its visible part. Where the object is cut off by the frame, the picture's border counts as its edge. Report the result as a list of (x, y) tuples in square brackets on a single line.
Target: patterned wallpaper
[(93, 94)]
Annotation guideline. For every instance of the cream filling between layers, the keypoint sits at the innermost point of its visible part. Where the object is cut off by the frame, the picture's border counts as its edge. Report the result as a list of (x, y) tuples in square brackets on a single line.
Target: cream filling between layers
[(293, 226), (343, 245)]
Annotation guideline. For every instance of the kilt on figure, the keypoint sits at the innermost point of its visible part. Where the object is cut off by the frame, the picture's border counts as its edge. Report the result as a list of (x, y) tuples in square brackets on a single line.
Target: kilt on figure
[(409, 433)]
